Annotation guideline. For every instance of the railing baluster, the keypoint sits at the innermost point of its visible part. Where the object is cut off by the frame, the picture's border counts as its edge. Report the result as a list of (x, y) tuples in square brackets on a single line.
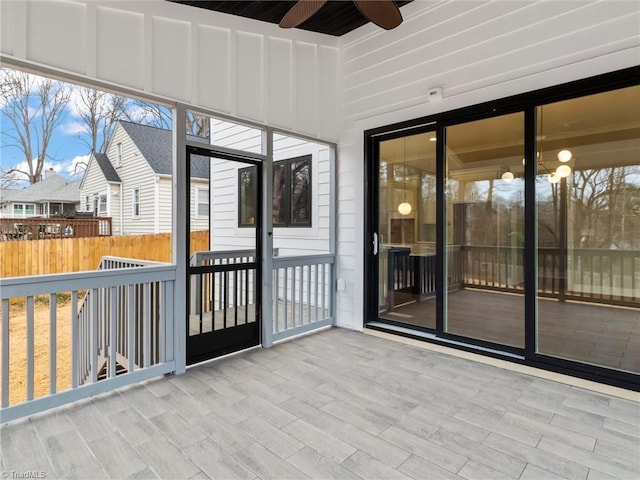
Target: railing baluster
[(324, 298), (76, 345), (53, 307), (246, 295), (293, 296), (30, 346), (316, 288), (285, 298), (147, 324), (301, 295), (131, 325), (94, 334), (309, 294), (112, 333), (276, 299), (5, 353), (235, 298)]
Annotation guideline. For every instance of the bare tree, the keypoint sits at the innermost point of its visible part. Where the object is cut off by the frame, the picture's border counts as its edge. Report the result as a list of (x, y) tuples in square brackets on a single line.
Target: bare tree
[(33, 106), (159, 116), (98, 112), (148, 113)]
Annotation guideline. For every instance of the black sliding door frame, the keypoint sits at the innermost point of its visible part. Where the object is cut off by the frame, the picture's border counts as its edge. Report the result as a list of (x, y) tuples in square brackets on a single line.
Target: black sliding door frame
[(527, 104)]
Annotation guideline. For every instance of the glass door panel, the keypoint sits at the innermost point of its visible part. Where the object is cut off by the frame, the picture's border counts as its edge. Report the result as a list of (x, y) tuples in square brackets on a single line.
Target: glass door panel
[(485, 230), (588, 200), (407, 230)]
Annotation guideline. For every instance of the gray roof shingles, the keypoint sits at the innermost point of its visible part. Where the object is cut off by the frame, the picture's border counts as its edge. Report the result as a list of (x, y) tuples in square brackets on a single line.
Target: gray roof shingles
[(107, 168), (53, 188), (155, 145)]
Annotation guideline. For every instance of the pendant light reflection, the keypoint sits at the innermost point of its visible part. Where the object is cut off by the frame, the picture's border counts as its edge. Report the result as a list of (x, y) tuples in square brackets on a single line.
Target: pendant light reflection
[(507, 176), (554, 177), (563, 171), (405, 207), (564, 155)]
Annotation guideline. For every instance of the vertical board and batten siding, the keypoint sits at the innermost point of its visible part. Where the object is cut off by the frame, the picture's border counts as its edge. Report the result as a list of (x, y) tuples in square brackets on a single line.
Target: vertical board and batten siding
[(229, 64), (293, 241), (474, 51)]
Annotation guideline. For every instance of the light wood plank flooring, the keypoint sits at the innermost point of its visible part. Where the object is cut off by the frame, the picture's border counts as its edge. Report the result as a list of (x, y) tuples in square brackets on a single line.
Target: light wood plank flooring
[(334, 405)]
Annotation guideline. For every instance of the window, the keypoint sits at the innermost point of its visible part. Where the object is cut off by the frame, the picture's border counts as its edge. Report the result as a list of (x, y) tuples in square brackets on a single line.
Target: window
[(24, 209), (118, 154), (135, 202), (87, 204), (102, 204), (202, 202), (291, 193)]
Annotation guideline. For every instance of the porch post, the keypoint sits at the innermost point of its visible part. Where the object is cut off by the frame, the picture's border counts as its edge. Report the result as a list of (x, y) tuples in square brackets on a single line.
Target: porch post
[(267, 241), (179, 238), (333, 215)]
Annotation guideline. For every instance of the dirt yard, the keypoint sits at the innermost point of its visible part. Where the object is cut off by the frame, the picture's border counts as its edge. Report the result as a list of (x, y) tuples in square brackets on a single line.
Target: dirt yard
[(18, 349)]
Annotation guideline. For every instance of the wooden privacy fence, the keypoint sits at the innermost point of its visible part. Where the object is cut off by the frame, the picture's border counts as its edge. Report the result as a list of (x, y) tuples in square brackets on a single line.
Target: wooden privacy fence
[(65, 255)]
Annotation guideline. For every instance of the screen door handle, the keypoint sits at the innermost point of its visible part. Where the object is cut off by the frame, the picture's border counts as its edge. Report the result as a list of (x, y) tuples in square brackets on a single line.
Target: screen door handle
[(375, 244)]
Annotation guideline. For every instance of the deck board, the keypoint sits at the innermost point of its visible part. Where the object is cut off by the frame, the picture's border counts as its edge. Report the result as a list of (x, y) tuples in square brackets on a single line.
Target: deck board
[(591, 333)]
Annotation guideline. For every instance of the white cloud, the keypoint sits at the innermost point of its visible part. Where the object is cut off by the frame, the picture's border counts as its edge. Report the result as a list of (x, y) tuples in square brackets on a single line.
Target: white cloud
[(77, 165), (72, 128)]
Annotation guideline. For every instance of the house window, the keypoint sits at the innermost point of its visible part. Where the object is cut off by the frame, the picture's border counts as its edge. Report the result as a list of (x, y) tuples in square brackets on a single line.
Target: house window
[(102, 204), (24, 209), (118, 154), (135, 202), (87, 204), (202, 203), (291, 193)]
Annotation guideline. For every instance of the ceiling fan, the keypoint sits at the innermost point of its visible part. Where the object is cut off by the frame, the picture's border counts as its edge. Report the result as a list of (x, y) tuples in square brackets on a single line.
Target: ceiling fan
[(384, 13)]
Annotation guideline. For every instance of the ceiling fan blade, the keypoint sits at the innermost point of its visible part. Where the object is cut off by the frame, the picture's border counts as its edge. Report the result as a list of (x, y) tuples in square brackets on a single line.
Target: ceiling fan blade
[(300, 12), (385, 14)]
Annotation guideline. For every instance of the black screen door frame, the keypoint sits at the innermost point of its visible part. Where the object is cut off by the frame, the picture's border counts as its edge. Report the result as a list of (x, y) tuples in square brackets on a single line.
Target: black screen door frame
[(208, 345)]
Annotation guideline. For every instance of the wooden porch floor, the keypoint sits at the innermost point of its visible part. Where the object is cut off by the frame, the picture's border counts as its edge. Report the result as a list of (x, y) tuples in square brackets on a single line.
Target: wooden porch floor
[(591, 333), (335, 405)]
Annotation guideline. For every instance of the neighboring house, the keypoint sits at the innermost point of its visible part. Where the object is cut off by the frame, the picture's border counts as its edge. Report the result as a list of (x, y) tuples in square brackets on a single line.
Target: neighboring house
[(52, 196), (131, 182)]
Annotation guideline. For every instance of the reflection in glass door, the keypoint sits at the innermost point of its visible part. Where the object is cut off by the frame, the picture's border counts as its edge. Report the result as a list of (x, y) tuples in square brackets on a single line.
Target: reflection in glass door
[(485, 230), (407, 230)]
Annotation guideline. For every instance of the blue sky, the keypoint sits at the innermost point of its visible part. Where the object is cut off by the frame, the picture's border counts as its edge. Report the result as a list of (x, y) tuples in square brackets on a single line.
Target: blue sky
[(66, 149)]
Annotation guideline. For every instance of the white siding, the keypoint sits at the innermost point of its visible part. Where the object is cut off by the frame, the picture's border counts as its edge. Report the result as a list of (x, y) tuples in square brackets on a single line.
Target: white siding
[(198, 223), (135, 172), (199, 57), (163, 207), (475, 51), (92, 184)]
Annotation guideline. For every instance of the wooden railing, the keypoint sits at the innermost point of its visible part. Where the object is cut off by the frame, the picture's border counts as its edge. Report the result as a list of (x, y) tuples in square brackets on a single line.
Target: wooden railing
[(134, 311), (303, 294), (37, 228), (93, 349), (586, 274)]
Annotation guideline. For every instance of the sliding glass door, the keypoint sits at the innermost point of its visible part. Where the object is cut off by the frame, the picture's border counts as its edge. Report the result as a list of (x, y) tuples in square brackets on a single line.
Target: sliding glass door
[(406, 230), (514, 226), (485, 230)]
